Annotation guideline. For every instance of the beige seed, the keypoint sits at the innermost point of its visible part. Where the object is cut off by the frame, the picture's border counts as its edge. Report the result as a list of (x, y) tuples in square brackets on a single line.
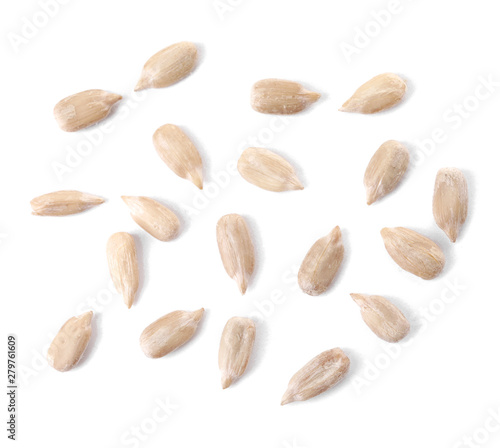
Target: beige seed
[(169, 332), (70, 342), (451, 199), (179, 153), (236, 249), (123, 267), (84, 109), (413, 252), (378, 94), (235, 349), (383, 317), (153, 217), (267, 170), (277, 96), (321, 263), (168, 66), (317, 376), (65, 202), (385, 170)]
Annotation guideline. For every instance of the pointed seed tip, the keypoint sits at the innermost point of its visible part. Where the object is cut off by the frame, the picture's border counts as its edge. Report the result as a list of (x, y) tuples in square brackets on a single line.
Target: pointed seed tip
[(314, 96), (358, 298), (87, 315), (141, 85), (197, 180), (345, 107), (242, 286), (86, 318), (297, 184), (370, 198), (198, 314), (226, 382)]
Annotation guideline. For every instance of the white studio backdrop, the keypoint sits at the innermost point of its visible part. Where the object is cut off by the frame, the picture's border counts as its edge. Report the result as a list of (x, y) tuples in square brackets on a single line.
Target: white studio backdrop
[(437, 388)]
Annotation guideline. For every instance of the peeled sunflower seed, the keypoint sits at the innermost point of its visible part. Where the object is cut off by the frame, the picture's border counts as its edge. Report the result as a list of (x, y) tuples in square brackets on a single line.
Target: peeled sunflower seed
[(321, 263), (153, 217), (277, 96), (70, 342), (179, 153), (236, 249), (378, 94), (383, 317), (267, 170), (169, 332), (317, 376), (123, 267), (84, 109), (65, 202), (235, 349), (385, 170), (450, 203), (168, 66), (413, 252)]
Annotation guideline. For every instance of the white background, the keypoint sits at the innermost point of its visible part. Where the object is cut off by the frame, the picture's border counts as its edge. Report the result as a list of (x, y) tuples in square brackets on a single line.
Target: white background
[(439, 387)]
